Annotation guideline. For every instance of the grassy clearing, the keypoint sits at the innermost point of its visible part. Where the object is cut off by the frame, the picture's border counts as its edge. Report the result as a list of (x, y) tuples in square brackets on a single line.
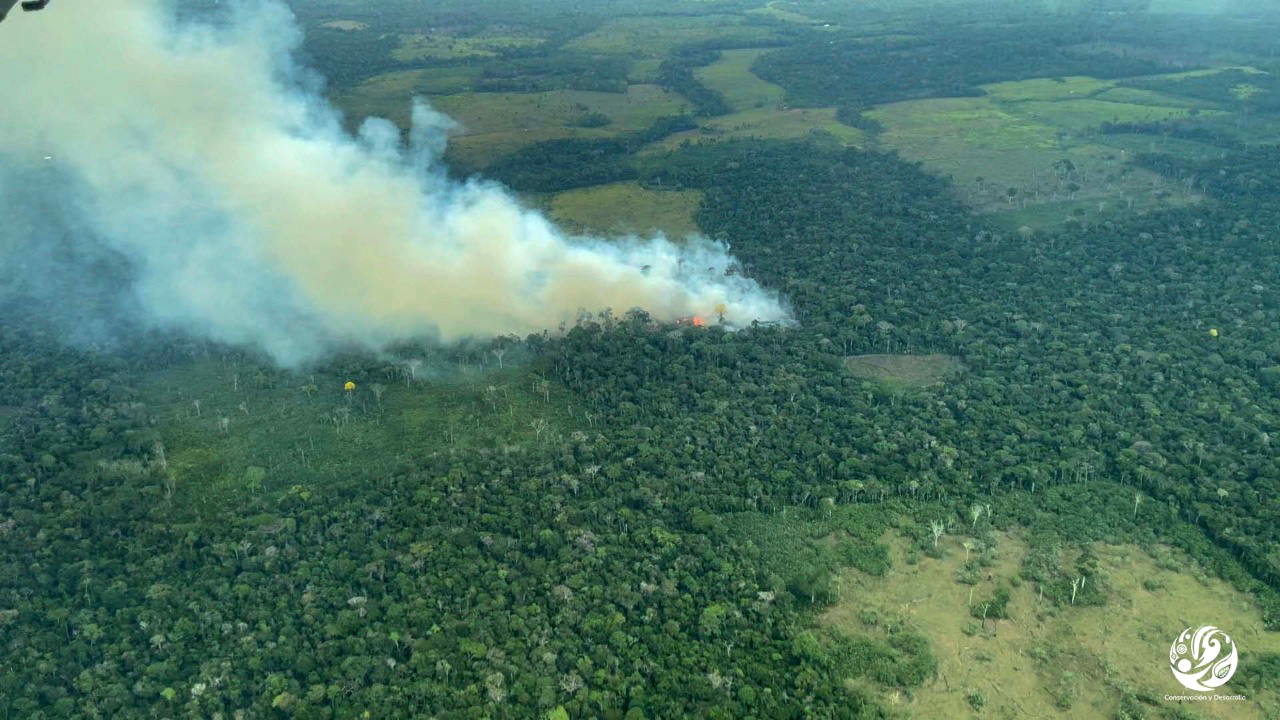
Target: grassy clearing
[(731, 75), (788, 12), (347, 25), (644, 71), (656, 37), (1246, 69), (1045, 661), (988, 146), (627, 208), (497, 124), (1046, 89), (1019, 134), (771, 124), (483, 113), (1079, 116), (1136, 96), (293, 433), (904, 370), (941, 128), (435, 46), (390, 95)]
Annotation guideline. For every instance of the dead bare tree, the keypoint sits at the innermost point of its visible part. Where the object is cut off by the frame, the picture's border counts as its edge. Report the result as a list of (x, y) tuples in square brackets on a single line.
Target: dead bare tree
[(539, 426)]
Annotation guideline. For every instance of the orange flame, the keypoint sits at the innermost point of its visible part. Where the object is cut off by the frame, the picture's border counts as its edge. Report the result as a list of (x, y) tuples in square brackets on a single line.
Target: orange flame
[(698, 321)]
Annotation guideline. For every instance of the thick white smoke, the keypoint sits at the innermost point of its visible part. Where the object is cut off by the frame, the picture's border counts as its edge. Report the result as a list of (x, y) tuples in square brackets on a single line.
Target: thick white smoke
[(254, 218)]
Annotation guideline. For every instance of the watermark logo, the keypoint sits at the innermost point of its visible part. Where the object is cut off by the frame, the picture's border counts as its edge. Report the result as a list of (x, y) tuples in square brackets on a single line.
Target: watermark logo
[(1203, 658)]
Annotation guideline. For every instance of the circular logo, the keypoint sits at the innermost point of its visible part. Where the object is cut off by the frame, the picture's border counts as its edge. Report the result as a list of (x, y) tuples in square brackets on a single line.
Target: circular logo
[(1203, 658)]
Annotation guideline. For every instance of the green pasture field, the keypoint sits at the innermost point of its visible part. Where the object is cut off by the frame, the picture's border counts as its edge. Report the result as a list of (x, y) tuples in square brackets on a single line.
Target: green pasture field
[(390, 95), (819, 124), (731, 76), (1017, 135), (656, 37), (438, 46), (1045, 661), (627, 208), (348, 25)]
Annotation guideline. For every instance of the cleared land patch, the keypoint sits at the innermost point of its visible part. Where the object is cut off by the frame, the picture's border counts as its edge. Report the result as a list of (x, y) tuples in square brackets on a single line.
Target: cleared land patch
[(496, 124), (787, 12), (348, 25), (770, 124), (1078, 116), (731, 76), (657, 36), (390, 95), (1048, 661), (1067, 88), (1030, 150), (1010, 155), (1138, 96), (627, 208), (907, 370), (483, 113), (437, 46)]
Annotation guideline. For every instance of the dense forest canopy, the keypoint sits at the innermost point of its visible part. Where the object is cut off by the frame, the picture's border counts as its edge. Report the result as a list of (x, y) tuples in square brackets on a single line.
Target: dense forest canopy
[(622, 518)]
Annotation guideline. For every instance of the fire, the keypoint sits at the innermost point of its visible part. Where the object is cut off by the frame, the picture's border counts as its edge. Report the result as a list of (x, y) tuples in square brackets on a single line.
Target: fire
[(698, 321)]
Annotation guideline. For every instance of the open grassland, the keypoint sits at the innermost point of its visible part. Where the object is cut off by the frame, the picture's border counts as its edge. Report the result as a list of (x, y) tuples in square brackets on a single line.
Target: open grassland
[(230, 432), (1204, 72), (497, 124), (1079, 116), (940, 129), (990, 145), (391, 94), (644, 71), (484, 113), (759, 111), (1046, 661), (770, 124), (438, 46), (658, 36), (1138, 96), (347, 25), (1039, 139), (627, 208), (1047, 89), (731, 76), (788, 12)]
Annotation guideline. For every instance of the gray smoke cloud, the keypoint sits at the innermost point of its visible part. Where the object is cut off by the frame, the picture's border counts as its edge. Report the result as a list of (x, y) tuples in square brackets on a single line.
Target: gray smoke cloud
[(251, 217)]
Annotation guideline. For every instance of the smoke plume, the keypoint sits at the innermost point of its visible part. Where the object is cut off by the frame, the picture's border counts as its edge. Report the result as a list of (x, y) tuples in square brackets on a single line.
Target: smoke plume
[(250, 216)]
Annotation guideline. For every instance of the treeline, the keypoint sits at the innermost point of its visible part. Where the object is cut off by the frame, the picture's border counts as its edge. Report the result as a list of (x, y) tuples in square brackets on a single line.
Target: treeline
[(854, 115), (1249, 178), (825, 69), (1183, 129), (1233, 88), (676, 75), (345, 58), (555, 71)]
